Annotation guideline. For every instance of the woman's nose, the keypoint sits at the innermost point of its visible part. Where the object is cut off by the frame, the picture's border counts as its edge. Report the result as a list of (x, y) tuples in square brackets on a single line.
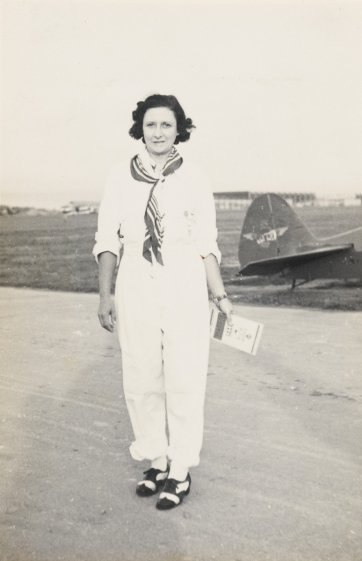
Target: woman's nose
[(158, 131)]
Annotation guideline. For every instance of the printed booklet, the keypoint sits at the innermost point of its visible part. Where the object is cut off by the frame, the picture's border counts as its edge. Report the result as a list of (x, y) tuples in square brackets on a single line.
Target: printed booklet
[(244, 334)]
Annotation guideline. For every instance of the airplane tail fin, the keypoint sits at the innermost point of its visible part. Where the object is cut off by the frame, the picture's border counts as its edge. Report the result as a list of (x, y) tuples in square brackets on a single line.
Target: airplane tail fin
[(272, 229)]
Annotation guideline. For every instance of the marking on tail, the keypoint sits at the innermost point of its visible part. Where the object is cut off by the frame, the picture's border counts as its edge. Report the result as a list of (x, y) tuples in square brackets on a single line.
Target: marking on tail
[(266, 238)]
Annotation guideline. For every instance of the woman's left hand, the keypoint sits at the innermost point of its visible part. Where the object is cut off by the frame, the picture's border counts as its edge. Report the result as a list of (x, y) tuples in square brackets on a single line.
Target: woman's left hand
[(227, 308)]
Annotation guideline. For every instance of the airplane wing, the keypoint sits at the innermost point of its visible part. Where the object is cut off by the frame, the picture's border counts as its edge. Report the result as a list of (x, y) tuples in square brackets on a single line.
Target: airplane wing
[(275, 265)]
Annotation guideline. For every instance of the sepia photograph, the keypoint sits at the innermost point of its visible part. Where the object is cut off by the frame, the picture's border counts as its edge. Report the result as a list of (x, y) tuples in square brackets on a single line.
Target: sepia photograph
[(181, 280)]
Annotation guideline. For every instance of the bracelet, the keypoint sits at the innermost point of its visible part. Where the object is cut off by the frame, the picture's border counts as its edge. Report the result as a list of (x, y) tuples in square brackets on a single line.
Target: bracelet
[(217, 299)]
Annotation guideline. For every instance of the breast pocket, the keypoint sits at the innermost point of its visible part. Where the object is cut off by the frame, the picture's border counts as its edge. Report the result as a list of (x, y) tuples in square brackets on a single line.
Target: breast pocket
[(190, 222)]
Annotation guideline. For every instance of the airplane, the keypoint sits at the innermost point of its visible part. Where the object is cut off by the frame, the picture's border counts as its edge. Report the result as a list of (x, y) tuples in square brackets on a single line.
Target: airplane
[(73, 209), (274, 240)]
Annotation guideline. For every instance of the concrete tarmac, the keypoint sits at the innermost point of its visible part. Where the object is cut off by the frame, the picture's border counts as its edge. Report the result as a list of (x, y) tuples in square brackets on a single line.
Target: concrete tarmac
[(280, 477)]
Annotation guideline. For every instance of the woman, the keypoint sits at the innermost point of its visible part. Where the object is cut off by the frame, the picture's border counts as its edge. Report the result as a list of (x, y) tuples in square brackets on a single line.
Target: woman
[(161, 209)]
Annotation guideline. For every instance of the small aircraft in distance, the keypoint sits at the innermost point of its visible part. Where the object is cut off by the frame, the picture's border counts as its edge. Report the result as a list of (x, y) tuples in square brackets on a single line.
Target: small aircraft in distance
[(275, 240), (73, 208)]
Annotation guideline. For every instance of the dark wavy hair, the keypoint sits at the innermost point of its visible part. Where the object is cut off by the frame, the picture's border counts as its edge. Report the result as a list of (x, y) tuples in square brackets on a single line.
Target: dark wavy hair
[(184, 124)]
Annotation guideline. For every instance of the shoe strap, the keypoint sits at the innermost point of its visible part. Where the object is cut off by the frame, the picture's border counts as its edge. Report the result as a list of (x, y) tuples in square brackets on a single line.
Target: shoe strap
[(172, 484)]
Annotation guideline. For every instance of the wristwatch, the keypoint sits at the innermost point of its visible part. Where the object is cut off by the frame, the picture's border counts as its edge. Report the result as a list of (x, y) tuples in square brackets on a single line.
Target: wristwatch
[(217, 299)]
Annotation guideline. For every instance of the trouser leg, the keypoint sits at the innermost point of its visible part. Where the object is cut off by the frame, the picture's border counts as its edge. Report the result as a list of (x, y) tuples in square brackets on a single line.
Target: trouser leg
[(186, 349), (145, 398), (141, 345)]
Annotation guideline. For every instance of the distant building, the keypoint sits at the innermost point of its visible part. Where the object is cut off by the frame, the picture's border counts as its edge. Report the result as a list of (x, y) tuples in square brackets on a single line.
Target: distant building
[(356, 201), (235, 200)]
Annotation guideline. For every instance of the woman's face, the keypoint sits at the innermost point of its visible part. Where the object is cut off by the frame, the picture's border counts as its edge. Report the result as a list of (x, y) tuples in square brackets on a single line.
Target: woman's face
[(159, 130)]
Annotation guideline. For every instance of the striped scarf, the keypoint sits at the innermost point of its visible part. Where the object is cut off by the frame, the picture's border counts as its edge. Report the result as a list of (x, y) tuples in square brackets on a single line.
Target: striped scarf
[(153, 217)]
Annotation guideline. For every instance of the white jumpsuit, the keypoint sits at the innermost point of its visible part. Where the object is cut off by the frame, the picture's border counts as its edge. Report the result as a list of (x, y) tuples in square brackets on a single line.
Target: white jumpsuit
[(162, 310)]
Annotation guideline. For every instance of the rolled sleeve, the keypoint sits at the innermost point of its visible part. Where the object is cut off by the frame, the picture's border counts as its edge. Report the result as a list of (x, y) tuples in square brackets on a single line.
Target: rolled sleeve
[(206, 238), (109, 218)]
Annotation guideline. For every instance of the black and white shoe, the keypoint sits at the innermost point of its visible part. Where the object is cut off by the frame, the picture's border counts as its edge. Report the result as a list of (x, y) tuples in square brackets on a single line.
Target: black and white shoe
[(151, 483), (173, 493)]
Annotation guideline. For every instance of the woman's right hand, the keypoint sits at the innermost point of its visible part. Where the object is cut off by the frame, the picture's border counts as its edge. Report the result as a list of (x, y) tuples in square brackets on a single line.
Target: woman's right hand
[(226, 307), (107, 313)]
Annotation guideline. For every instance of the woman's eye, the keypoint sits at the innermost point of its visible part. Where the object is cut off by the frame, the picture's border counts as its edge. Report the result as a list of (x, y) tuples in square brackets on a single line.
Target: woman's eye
[(166, 125), (149, 124)]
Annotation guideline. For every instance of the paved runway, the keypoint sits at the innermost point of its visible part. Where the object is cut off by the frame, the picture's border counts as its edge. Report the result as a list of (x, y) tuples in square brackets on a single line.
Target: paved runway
[(280, 478)]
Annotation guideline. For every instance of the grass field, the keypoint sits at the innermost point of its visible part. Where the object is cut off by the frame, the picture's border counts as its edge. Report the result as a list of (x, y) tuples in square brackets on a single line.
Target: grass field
[(54, 252)]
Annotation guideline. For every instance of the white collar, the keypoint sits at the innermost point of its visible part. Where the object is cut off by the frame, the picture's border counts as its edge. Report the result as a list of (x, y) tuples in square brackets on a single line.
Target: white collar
[(149, 164)]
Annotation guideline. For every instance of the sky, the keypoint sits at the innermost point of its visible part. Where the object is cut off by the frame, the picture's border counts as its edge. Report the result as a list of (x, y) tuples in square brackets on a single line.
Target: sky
[(274, 89)]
